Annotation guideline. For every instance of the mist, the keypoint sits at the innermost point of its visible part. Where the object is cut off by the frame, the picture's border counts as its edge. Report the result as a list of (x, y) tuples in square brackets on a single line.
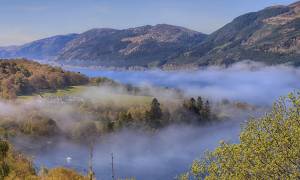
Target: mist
[(167, 152), (145, 156), (244, 81)]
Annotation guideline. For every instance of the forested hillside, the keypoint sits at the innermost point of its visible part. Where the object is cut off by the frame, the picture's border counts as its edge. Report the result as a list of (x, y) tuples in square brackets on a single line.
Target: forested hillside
[(19, 77), (270, 36)]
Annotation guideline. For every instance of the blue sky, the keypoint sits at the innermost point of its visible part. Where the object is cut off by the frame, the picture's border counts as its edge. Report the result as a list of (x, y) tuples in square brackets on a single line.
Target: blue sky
[(27, 20)]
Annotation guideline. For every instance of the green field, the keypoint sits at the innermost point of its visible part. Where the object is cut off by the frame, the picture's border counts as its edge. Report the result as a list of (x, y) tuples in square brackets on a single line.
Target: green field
[(72, 90), (108, 97)]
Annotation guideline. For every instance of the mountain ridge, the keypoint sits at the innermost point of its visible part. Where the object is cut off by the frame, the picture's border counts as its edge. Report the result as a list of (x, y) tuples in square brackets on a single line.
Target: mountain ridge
[(271, 35)]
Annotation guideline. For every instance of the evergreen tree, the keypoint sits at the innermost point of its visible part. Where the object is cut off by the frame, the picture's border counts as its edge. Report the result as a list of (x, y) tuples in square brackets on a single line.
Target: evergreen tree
[(124, 119), (154, 115), (206, 111), (192, 106), (199, 105)]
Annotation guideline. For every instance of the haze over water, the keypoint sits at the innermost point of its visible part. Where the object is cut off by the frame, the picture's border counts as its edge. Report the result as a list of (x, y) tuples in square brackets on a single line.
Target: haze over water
[(170, 151)]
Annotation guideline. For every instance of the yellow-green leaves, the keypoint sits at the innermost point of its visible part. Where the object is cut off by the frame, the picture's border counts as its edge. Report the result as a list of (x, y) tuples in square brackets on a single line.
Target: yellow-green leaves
[(269, 148)]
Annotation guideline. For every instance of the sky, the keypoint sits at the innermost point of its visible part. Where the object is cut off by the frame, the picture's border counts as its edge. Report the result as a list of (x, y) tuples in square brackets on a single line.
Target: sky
[(27, 20)]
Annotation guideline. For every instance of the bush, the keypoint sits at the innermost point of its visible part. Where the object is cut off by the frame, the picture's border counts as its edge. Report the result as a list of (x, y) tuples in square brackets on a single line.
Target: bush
[(38, 125)]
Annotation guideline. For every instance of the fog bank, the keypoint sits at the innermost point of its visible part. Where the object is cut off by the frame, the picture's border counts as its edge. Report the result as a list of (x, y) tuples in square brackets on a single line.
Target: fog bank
[(245, 81)]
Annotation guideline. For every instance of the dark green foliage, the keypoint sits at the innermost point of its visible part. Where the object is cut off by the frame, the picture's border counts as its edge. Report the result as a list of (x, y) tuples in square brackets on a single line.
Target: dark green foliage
[(124, 120), (4, 168), (196, 110), (199, 104), (154, 115), (4, 147)]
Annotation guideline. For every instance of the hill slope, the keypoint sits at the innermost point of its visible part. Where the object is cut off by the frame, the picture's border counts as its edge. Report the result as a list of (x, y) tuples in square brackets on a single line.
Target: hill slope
[(142, 46), (271, 35), (47, 48), (19, 77)]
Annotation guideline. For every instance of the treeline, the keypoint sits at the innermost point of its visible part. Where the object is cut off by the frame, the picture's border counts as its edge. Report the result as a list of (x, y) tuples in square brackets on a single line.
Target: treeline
[(108, 118), (150, 118), (19, 77)]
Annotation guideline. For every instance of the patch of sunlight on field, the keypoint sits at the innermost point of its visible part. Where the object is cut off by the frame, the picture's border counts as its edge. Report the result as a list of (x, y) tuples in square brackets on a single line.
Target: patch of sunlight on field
[(105, 98), (72, 90)]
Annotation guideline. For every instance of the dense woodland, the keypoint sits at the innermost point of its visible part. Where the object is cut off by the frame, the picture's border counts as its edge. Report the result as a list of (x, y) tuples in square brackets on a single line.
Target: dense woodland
[(19, 77)]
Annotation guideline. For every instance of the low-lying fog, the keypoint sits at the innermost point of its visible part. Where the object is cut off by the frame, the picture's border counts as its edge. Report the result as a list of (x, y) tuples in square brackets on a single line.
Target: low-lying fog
[(246, 81), (160, 156), (169, 152)]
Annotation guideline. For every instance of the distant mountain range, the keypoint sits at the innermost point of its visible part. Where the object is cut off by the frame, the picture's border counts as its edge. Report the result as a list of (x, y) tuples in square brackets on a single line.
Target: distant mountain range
[(271, 35)]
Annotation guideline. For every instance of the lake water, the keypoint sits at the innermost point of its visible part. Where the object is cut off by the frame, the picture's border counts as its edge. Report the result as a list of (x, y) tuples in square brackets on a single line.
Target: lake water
[(161, 156)]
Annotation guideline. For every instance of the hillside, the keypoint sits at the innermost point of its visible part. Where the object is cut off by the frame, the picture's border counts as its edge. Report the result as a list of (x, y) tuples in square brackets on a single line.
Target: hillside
[(271, 35), (141, 46), (19, 77), (47, 48)]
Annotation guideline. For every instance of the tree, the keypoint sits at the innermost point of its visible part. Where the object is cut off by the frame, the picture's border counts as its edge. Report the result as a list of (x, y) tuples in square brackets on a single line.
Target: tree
[(4, 168), (199, 104), (154, 115), (206, 113), (269, 148)]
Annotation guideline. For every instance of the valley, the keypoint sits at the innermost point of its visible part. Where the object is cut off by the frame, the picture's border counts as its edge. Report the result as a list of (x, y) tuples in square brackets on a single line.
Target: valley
[(141, 99)]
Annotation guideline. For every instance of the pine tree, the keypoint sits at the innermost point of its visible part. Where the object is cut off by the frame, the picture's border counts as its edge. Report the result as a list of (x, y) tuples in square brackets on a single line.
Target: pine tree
[(192, 105), (155, 114), (199, 105), (206, 111)]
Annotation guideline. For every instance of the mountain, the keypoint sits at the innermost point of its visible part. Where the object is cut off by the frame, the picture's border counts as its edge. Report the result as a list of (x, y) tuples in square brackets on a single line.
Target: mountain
[(47, 48), (141, 46), (271, 35)]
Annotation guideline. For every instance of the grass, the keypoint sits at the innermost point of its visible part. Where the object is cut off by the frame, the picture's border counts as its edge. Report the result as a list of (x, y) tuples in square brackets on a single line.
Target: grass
[(115, 98), (72, 90), (126, 99)]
